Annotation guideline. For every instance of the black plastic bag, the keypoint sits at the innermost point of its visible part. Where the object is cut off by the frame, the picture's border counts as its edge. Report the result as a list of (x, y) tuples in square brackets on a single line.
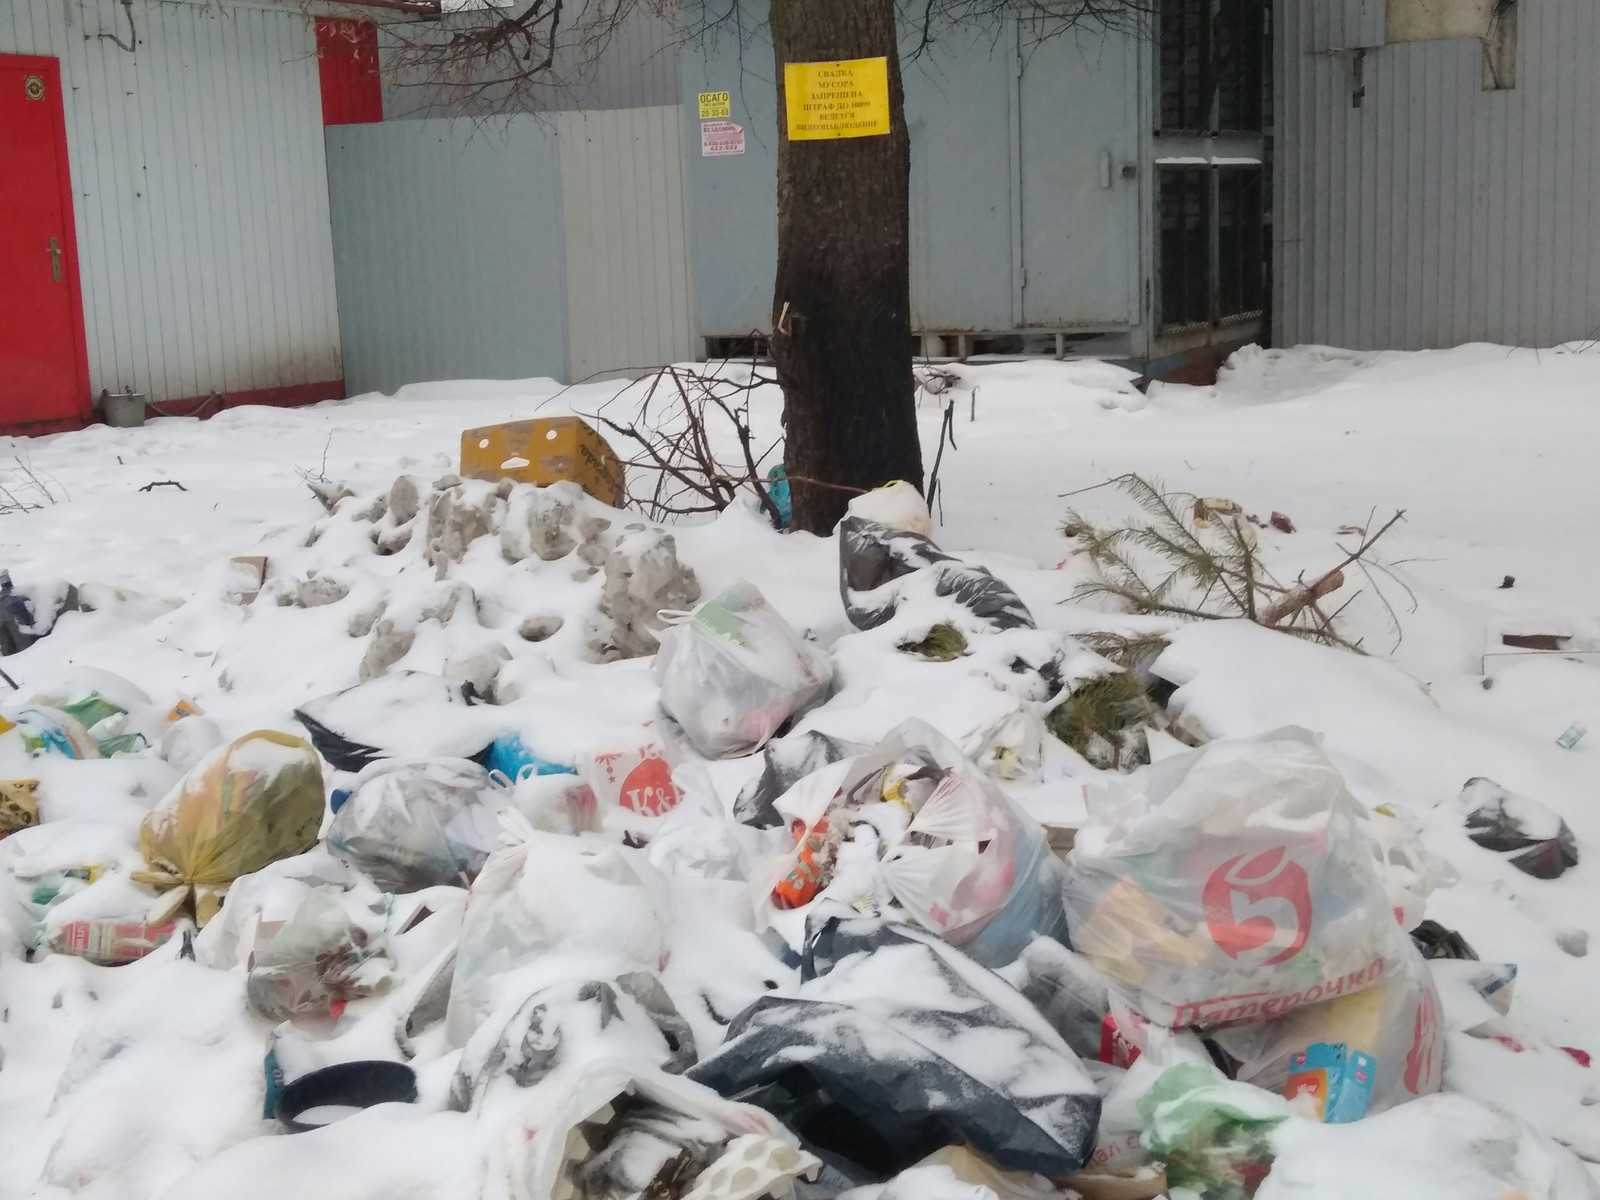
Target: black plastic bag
[(389, 717), (897, 1045), (28, 616), (873, 555), (1437, 942), (1533, 838), (1069, 991)]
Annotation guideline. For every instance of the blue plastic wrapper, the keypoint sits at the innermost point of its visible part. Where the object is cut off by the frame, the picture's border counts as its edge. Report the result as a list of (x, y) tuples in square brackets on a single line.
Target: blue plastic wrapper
[(778, 492), (510, 755)]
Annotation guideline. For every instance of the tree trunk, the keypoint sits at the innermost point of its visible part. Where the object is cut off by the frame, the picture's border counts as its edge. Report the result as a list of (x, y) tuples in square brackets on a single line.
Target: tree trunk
[(841, 311)]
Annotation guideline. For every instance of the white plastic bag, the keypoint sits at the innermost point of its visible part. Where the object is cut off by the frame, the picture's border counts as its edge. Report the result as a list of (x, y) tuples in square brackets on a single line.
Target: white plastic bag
[(412, 825), (976, 870), (896, 505), (552, 907), (735, 671), (1011, 748), (1409, 871), (548, 1136), (556, 804), (1232, 885), (633, 775)]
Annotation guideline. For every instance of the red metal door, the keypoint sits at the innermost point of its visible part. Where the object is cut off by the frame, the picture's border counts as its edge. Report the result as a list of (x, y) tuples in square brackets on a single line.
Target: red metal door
[(347, 63), (43, 368)]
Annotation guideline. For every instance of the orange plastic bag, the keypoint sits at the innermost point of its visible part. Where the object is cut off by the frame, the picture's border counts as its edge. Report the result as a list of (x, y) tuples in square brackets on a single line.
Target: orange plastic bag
[(248, 804)]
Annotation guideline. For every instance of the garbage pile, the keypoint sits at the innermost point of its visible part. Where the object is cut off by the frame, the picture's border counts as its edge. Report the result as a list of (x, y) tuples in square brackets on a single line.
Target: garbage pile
[(722, 953)]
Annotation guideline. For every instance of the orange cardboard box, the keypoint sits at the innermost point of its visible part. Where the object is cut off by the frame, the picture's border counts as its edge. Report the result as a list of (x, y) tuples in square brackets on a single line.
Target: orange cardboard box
[(545, 451)]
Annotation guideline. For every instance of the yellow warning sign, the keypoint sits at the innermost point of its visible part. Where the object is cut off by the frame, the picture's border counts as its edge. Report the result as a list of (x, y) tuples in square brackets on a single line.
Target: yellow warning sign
[(715, 106), (826, 100)]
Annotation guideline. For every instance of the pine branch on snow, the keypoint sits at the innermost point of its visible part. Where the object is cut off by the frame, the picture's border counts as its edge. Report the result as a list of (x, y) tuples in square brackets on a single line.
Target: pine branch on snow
[(1187, 559)]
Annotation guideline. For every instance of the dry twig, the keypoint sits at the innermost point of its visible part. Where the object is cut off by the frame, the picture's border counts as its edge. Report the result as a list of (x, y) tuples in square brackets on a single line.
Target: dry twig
[(22, 489), (672, 439)]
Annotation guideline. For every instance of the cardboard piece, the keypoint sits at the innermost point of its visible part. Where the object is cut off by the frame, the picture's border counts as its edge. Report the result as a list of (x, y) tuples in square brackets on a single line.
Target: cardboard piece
[(19, 805), (546, 451), (246, 574), (1146, 1184)]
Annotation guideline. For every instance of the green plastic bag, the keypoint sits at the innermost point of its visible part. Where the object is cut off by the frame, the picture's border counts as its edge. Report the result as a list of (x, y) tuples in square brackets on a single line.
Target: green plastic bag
[(91, 710), (95, 708), (1211, 1132)]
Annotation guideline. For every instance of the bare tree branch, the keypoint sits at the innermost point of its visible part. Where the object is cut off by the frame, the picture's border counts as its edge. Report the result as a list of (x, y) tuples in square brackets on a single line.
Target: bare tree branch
[(486, 62)]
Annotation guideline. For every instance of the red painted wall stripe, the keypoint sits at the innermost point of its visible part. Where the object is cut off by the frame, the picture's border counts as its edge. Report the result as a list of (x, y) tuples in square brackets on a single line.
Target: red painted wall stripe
[(347, 62), (292, 396)]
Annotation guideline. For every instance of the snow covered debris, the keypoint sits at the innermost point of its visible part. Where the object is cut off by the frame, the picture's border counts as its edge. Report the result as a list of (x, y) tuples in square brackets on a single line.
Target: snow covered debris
[(549, 951)]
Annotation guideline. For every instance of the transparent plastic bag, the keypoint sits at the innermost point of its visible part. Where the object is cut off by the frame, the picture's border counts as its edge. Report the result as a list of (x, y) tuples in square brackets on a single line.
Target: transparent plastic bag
[(1232, 885), (1011, 748), (1348, 1058), (412, 825), (978, 871), (735, 671), (958, 855), (316, 963)]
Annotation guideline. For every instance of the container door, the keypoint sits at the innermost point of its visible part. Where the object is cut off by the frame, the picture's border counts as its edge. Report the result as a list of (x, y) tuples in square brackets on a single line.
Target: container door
[(42, 373), (1079, 121)]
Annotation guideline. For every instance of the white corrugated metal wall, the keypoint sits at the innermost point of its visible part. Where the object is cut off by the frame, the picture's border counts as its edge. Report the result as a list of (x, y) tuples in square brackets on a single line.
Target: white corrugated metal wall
[(204, 244), (1435, 212), (626, 234)]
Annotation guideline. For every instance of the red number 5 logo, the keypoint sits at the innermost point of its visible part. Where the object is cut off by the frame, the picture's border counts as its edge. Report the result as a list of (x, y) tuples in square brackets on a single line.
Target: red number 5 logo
[(1249, 902)]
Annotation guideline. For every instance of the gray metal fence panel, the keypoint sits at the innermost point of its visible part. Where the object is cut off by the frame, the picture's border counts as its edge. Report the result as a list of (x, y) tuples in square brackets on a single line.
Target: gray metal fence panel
[(448, 247), (627, 243), (1000, 165)]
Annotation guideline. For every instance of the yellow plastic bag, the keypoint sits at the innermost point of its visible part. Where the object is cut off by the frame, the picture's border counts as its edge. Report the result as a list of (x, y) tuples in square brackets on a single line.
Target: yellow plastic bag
[(251, 803)]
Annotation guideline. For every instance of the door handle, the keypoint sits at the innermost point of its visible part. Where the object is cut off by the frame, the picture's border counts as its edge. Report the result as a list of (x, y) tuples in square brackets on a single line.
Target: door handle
[(55, 260)]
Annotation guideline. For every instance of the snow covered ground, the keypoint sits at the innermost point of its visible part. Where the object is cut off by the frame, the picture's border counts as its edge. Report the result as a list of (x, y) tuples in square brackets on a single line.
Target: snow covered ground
[(1490, 452)]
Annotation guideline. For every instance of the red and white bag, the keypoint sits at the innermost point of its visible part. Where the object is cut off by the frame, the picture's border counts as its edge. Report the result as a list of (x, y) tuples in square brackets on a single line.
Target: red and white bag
[(636, 777)]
